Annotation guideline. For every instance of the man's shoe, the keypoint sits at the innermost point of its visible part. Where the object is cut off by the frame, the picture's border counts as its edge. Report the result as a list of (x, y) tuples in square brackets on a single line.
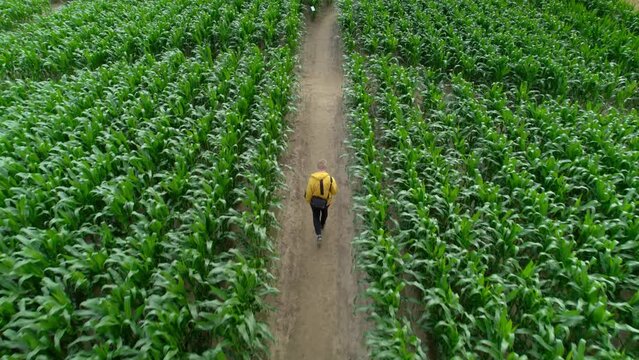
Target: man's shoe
[(319, 238)]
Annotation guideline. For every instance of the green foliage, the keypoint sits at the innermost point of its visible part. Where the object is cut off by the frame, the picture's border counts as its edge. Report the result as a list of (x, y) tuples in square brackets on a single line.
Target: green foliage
[(15, 12), (138, 190), (496, 146)]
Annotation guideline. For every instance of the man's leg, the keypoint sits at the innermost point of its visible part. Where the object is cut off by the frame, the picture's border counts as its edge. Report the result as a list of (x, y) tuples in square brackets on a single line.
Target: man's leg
[(324, 217), (316, 220)]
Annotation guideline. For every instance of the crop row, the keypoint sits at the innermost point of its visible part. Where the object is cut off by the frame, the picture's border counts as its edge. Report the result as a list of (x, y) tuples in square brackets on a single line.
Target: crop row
[(14, 12), (492, 42), (499, 212), (617, 11), (90, 34), (137, 197)]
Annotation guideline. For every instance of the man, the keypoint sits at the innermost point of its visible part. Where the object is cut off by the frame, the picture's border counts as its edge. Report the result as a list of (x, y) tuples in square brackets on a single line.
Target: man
[(320, 191)]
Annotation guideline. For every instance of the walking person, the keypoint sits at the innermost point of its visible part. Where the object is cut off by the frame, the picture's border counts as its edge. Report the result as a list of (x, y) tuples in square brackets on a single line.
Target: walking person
[(320, 192)]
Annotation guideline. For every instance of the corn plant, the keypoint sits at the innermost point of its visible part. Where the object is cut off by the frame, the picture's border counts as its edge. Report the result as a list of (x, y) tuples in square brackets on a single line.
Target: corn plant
[(141, 222), (497, 197), (622, 12), (13, 13), (60, 44)]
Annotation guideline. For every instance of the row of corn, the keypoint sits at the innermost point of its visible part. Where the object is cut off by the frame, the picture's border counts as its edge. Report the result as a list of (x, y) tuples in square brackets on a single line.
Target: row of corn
[(88, 34), (15, 12), (496, 143), (138, 158)]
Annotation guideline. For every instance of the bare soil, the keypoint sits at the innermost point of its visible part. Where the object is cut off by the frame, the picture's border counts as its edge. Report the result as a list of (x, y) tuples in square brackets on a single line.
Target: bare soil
[(57, 4), (634, 3), (315, 317)]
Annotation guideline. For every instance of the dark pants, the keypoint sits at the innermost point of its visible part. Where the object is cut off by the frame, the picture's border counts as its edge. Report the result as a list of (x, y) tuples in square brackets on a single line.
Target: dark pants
[(319, 219)]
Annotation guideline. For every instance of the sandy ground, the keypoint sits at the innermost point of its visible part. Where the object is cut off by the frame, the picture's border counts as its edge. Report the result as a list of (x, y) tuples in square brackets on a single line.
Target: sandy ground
[(315, 317), (634, 3), (57, 5)]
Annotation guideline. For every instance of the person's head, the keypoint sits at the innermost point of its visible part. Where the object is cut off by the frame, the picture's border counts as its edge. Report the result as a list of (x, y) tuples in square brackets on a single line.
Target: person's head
[(321, 165)]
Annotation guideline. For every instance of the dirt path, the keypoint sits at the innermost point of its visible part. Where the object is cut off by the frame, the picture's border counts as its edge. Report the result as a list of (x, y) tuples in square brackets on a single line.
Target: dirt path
[(56, 5), (634, 3), (315, 313)]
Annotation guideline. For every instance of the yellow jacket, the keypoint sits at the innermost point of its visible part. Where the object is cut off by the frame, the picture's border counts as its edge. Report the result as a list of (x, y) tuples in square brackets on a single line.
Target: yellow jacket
[(313, 187)]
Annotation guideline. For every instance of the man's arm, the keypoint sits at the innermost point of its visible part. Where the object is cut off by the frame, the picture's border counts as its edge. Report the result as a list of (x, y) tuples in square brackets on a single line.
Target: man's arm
[(309, 192), (334, 187)]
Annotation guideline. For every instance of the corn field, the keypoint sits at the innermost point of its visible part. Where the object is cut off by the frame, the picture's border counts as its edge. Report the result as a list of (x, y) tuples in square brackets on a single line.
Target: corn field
[(497, 145), (15, 12), (139, 145)]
